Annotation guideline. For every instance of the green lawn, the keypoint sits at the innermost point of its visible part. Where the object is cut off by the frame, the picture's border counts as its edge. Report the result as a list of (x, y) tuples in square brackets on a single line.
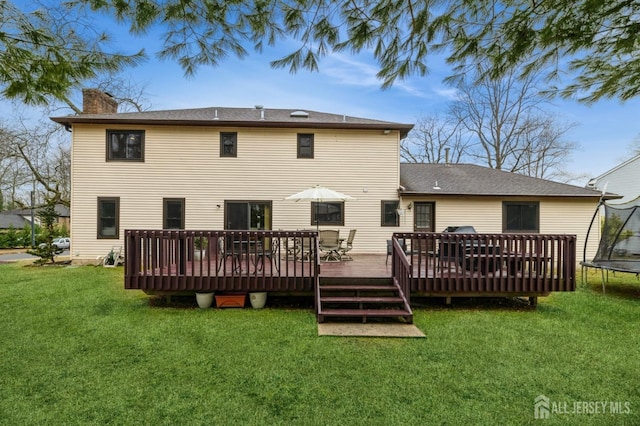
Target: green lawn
[(79, 349)]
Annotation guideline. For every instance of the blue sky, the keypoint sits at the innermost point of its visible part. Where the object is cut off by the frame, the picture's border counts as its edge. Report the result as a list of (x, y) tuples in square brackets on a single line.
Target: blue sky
[(346, 84)]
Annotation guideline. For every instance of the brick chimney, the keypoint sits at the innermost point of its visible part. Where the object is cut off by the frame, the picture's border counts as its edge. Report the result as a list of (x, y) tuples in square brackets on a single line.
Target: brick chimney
[(95, 101)]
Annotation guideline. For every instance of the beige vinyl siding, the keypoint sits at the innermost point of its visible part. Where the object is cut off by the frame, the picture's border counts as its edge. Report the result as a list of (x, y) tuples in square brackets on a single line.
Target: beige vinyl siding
[(184, 162), (557, 216), (560, 216)]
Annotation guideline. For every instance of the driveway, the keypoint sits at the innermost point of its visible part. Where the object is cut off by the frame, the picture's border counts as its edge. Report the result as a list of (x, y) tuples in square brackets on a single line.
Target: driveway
[(15, 255)]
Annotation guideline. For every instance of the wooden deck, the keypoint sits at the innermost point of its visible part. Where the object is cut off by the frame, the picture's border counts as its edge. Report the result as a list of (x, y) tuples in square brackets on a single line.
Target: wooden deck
[(369, 286), (437, 264)]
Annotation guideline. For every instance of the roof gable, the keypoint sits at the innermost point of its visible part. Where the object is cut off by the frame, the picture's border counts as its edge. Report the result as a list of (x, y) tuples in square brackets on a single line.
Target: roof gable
[(617, 168), (471, 179)]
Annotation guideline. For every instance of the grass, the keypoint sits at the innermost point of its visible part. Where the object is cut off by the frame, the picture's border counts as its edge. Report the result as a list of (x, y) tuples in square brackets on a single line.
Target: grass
[(78, 349)]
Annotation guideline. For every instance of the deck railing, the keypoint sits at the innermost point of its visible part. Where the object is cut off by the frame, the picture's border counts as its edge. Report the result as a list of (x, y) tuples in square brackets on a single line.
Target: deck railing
[(452, 263), (436, 264), (401, 269), (179, 260)]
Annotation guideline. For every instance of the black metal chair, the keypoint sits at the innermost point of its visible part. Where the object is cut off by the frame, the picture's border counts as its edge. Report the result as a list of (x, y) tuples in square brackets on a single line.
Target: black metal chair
[(268, 248), (403, 244), (227, 248)]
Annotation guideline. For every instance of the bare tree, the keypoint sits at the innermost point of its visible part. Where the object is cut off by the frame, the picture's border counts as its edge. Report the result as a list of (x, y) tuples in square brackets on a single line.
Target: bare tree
[(542, 151), (633, 148), (43, 155), (38, 149), (509, 127), (433, 139)]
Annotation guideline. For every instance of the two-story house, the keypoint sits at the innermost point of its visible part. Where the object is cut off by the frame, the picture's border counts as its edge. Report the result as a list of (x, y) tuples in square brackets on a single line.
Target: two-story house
[(227, 168), (232, 168)]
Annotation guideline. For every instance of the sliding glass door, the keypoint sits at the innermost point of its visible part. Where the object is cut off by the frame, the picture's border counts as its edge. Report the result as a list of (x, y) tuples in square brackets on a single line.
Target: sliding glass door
[(247, 215)]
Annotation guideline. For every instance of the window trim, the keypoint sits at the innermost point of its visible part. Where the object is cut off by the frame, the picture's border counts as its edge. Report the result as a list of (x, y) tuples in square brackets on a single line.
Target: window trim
[(506, 204), (311, 136), (108, 155), (116, 236), (235, 144), (336, 223), (182, 212), (382, 213)]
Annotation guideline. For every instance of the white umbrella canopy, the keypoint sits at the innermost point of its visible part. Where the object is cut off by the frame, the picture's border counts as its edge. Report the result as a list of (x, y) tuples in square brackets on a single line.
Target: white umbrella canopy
[(319, 194)]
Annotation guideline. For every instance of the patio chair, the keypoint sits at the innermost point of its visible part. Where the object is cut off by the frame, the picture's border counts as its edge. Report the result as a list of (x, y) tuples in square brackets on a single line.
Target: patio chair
[(302, 248), (348, 245), (329, 241), (227, 248), (268, 248), (403, 244)]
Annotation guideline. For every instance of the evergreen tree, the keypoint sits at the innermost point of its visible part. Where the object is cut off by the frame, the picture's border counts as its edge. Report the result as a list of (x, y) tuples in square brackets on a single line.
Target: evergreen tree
[(48, 219)]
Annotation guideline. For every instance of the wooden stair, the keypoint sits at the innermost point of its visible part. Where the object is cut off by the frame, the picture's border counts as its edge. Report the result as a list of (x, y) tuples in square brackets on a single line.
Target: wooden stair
[(362, 300)]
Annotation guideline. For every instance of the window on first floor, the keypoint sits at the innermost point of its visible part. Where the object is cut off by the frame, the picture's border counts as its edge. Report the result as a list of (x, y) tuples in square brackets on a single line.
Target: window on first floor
[(305, 145), (389, 213), (327, 213), (228, 144), (125, 145), (173, 213), (521, 216), (108, 217)]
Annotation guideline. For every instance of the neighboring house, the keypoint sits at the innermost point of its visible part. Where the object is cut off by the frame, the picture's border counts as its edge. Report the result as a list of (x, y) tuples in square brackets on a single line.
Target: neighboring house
[(232, 168), (18, 218), (494, 201), (624, 179), (11, 220)]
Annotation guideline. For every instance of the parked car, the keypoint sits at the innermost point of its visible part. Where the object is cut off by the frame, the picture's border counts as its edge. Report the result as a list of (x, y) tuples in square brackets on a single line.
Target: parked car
[(61, 243)]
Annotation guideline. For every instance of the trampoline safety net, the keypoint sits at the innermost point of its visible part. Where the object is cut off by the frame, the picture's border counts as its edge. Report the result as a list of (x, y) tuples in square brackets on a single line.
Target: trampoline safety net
[(619, 247)]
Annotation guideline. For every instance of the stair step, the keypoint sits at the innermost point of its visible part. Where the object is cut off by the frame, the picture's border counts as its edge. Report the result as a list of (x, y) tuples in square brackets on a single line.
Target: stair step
[(364, 287), (365, 312), (360, 299)]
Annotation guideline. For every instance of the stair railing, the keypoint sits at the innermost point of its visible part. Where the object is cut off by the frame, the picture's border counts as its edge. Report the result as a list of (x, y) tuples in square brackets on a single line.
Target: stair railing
[(401, 269)]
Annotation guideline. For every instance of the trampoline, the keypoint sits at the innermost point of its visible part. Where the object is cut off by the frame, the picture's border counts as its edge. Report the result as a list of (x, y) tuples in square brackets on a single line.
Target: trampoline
[(619, 247)]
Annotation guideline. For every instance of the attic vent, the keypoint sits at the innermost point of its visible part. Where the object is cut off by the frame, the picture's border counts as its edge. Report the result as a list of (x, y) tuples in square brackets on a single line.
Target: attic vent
[(300, 114)]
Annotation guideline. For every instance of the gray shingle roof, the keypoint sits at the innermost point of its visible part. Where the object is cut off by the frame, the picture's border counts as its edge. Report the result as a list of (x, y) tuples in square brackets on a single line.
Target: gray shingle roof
[(8, 220), (471, 179), (239, 117)]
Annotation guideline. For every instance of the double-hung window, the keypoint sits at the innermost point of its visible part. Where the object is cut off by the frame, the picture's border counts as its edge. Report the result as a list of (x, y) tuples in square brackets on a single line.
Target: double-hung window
[(327, 213), (521, 216), (389, 213), (305, 145), (125, 145), (228, 144), (109, 217), (173, 213)]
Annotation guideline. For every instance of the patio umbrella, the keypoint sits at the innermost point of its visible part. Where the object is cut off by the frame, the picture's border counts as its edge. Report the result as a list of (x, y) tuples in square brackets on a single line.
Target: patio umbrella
[(319, 194)]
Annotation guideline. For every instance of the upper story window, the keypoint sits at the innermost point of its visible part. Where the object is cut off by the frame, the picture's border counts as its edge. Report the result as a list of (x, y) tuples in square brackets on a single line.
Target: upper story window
[(125, 145), (228, 144), (173, 213), (109, 217), (389, 213), (305, 145), (521, 216)]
